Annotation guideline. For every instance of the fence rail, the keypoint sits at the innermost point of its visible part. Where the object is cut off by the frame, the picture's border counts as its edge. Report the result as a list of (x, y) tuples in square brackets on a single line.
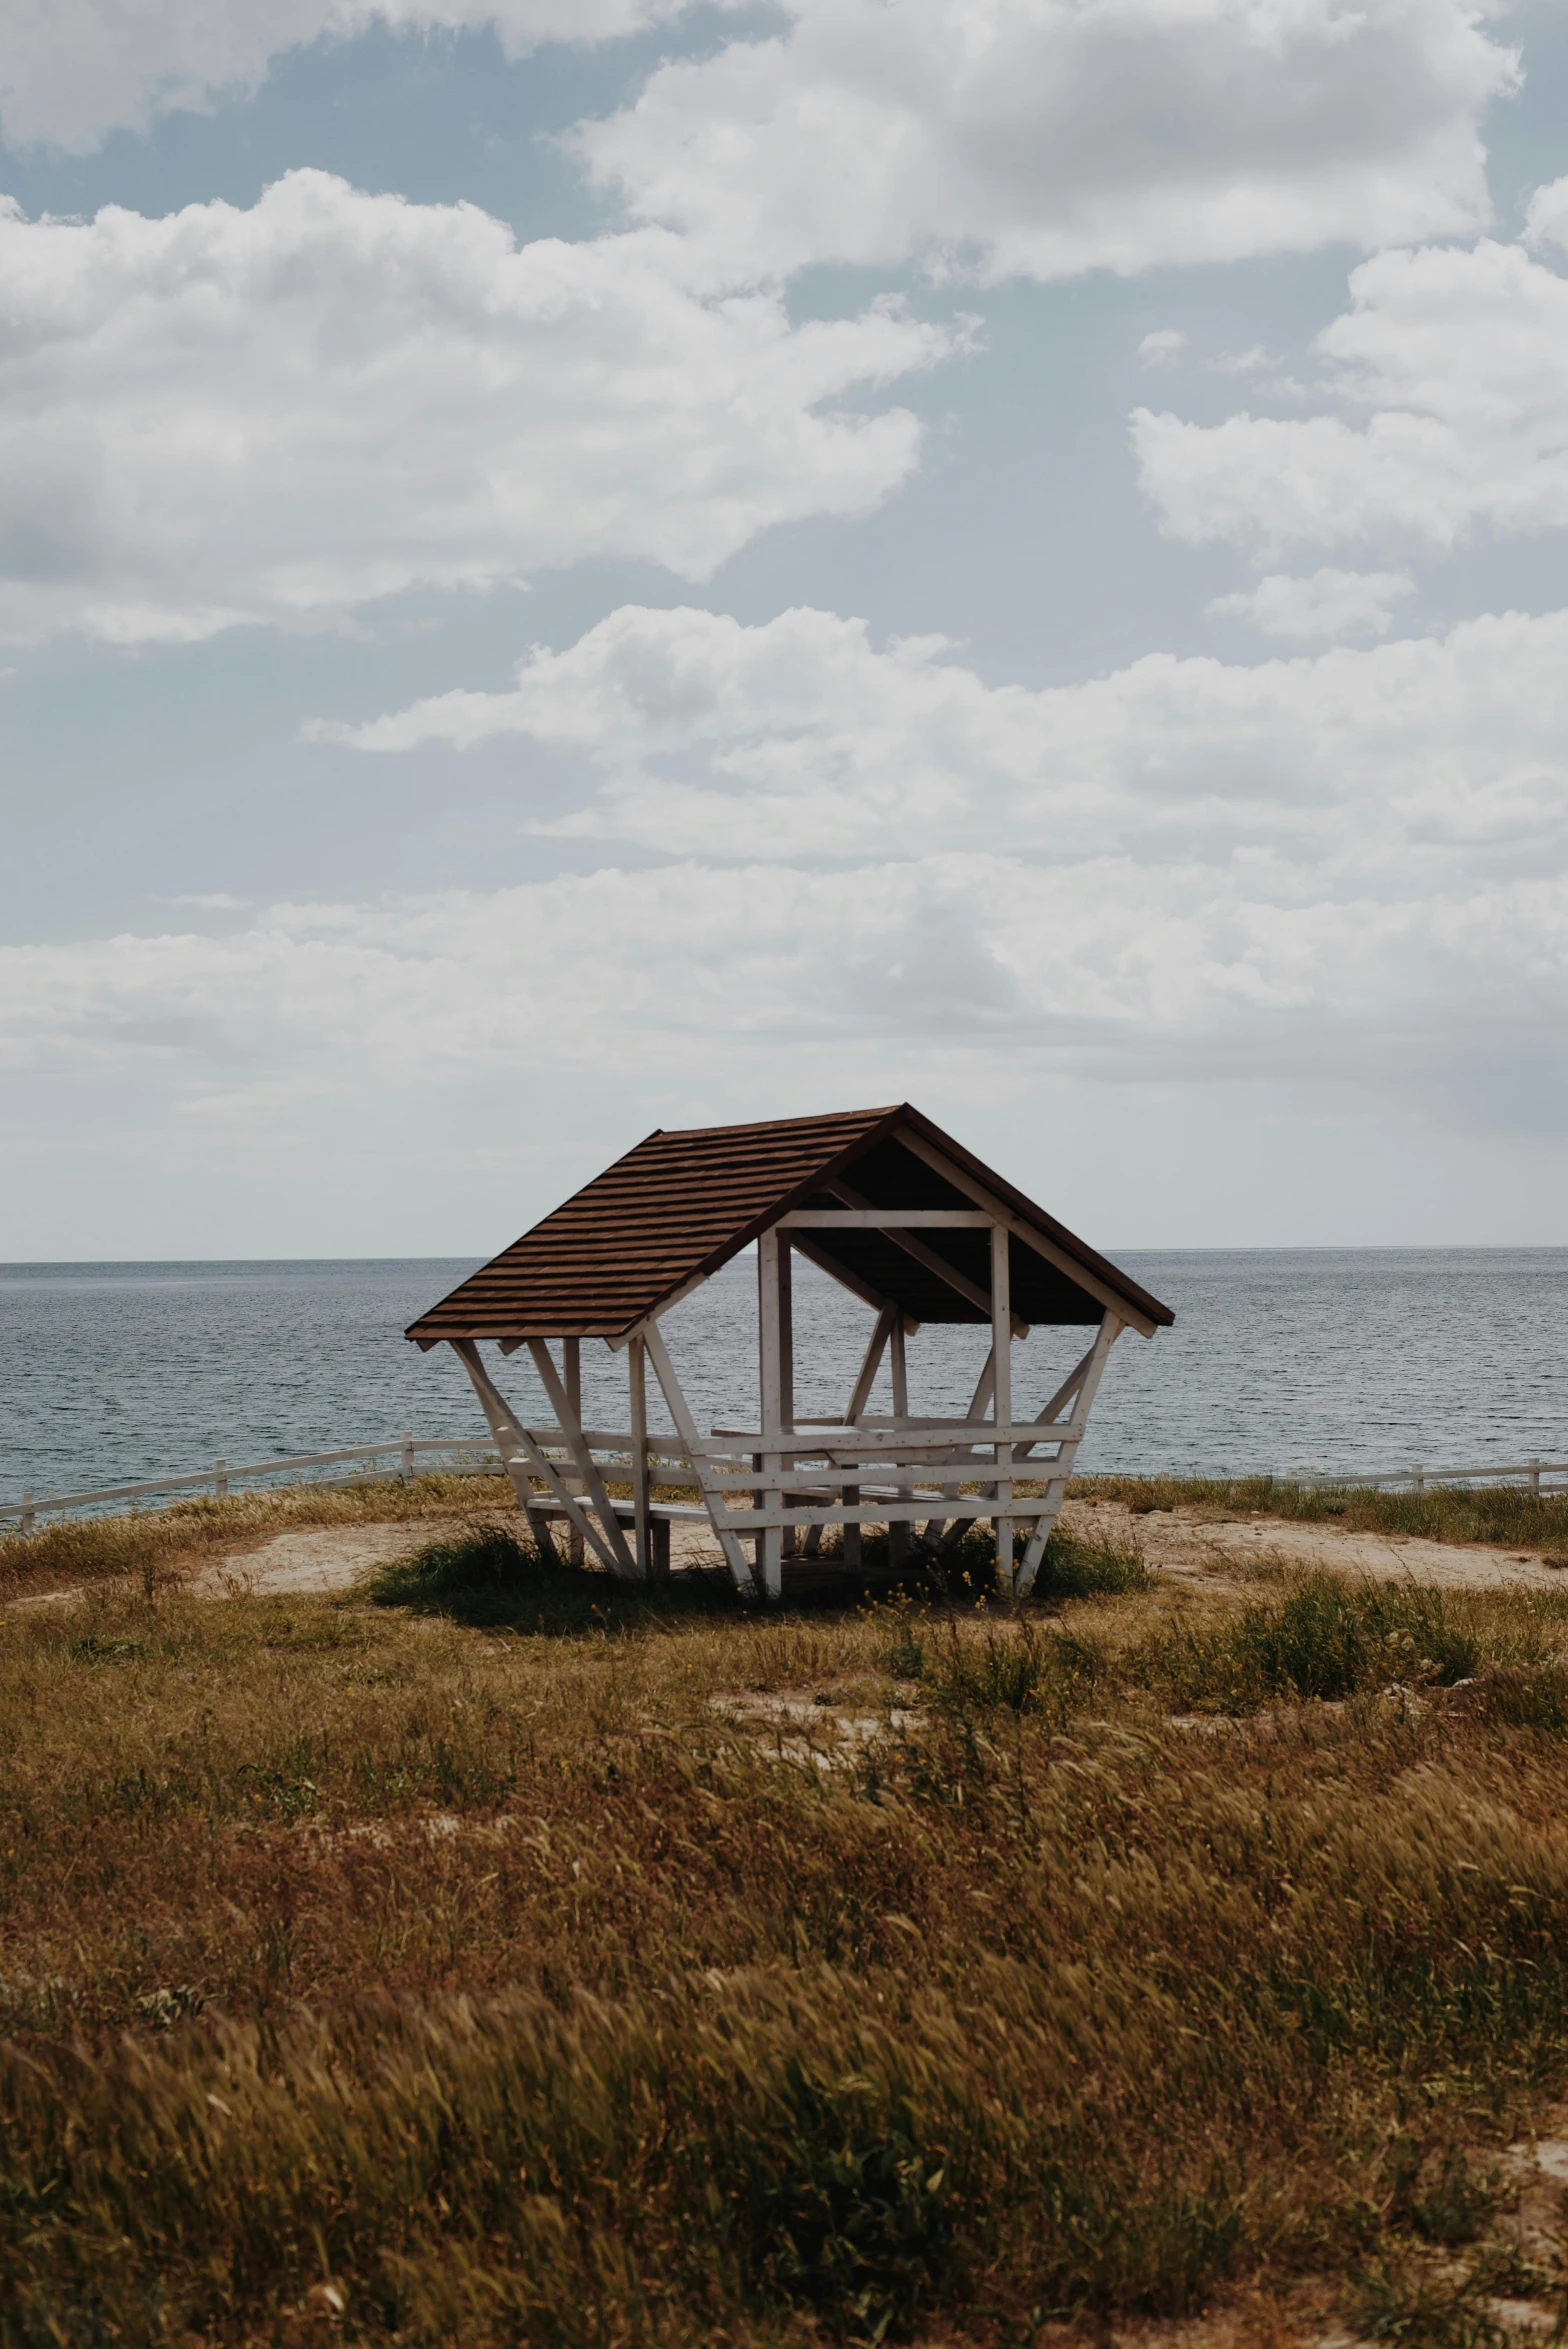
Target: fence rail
[(219, 1478), (1534, 1473), (1540, 1477)]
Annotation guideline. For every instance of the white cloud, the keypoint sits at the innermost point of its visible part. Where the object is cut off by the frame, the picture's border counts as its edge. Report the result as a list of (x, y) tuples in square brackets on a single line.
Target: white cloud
[(279, 414), (799, 738), (1045, 137), (1546, 222), (72, 70), (1461, 359), (1162, 348), (1350, 870), (1103, 959), (1323, 608)]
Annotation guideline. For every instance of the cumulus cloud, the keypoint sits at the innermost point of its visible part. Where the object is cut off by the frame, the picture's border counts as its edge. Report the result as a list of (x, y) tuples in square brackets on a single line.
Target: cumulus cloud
[(1348, 867), (1546, 218), (1108, 960), (800, 737), (73, 70), (1162, 348), (1044, 137), (1325, 607), (1457, 358), (278, 414)]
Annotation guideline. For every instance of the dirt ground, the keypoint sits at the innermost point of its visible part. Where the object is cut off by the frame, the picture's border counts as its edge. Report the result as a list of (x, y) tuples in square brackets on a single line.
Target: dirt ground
[(1192, 1546), (1199, 1546)]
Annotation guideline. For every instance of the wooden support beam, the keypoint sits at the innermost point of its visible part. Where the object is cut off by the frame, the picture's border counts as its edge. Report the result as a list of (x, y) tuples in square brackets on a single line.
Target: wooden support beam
[(521, 1455), (1083, 1382), (686, 1428), (786, 1356), (770, 1391), (1002, 1382), (979, 1402), (877, 1219), (876, 1347), (1078, 1274), (621, 1561), (572, 1378), (846, 1279), (958, 1282), (499, 1420), (637, 1383), (898, 1363), (860, 1396)]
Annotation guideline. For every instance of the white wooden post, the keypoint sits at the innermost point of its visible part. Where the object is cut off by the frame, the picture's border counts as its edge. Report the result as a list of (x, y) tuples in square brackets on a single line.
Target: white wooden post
[(29, 1518), (637, 1380), (408, 1455), (770, 1379), (1535, 1480), (898, 1364), (572, 1379), (220, 1479), (1002, 1389), (787, 1362)]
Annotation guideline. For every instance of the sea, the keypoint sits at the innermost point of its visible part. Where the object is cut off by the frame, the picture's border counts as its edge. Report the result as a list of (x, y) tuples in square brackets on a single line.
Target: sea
[(1281, 1359)]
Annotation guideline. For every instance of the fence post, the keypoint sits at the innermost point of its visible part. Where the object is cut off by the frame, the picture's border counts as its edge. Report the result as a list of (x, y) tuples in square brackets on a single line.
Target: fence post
[(1535, 1479), (408, 1455), (1418, 1478), (220, 1479), (28, 1518)]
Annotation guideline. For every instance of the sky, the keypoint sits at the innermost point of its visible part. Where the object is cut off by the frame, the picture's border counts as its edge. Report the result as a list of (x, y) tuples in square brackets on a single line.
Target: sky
[(569, 566)]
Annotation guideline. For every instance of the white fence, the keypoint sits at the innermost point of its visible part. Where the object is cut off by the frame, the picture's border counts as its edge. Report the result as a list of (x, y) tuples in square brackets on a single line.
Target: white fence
[(1541, 1476), (399, 1457)]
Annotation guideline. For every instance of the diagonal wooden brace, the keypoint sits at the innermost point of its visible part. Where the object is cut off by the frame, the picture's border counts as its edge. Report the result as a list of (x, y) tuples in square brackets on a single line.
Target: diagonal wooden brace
[(516, 1444), (1083, 1382), (701, 1466), (623, 1563)]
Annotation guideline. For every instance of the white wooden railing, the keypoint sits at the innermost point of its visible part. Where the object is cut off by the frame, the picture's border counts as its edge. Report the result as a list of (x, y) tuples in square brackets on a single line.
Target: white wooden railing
[(1537, 1474), (399, 1452)]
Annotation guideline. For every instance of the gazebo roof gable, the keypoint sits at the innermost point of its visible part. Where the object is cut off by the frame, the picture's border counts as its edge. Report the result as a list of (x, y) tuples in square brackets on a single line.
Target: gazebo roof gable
[(679, 1206)]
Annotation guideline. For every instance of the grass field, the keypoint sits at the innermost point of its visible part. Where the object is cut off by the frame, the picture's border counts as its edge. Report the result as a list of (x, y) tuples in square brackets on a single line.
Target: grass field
[(500, 1958)]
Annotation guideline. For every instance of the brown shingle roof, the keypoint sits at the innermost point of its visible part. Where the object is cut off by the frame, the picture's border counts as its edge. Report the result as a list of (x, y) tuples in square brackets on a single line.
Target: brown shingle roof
[(680, 1205)]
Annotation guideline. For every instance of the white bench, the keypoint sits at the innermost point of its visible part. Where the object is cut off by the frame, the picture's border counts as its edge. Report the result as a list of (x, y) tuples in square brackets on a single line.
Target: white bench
[(663, 1514)]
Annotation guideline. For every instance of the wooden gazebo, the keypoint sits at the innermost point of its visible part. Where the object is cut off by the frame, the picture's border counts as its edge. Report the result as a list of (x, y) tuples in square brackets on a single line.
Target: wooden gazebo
[(897, 1212)]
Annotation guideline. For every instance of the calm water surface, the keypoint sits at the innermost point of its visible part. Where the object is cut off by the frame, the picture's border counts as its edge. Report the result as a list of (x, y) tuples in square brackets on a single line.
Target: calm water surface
[(1280, 1359)]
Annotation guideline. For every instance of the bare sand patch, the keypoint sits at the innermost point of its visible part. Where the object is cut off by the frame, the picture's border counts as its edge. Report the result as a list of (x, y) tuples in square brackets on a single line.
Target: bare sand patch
[(312, 1559), (1195, 1545)]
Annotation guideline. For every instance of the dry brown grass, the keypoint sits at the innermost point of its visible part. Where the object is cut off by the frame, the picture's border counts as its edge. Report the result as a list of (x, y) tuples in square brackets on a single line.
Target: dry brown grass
[(153, 1542), (381, 1978)]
